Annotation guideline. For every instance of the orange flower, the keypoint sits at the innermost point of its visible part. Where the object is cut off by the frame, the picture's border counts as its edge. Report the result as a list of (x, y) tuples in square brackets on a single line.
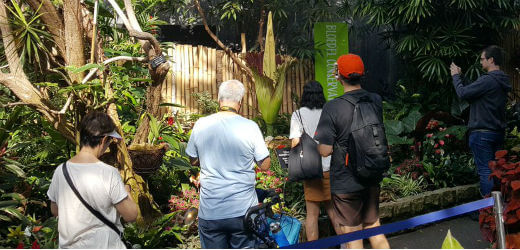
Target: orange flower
[(36, 229)]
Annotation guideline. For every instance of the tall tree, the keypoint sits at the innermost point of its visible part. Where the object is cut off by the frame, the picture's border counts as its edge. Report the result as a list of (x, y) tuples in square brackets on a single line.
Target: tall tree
[(69, 34)]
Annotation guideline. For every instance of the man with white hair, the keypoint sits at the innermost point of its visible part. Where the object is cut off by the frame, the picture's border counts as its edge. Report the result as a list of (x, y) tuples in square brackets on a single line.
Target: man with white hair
[(227, 146)]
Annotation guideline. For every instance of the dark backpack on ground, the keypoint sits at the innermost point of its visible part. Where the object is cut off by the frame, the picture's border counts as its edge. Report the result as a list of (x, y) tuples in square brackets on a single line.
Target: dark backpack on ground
[(367, 152)]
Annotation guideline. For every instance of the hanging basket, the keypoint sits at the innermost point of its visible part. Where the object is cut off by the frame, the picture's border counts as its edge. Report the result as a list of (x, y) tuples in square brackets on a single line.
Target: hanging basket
[(146, 158)]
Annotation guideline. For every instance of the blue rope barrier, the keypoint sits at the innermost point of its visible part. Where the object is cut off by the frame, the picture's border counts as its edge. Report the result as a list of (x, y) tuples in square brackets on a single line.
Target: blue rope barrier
[(396, 226)]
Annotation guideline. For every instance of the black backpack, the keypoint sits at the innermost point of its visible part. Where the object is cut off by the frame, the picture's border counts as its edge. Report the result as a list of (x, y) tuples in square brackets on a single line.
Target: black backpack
[(368, 147)]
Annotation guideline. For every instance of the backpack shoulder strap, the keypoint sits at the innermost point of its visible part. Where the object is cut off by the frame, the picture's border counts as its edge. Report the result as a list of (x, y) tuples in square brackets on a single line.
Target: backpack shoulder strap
[(349, 98), (91, 209)]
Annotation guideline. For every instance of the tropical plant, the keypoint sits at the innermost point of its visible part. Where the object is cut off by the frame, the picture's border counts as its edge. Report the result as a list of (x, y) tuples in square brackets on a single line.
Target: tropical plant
[(30, 35), (164, 232), (397, 186), (432, 34)]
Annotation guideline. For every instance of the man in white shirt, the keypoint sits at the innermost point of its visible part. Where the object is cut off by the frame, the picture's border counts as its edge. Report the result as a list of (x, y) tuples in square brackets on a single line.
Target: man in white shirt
[(227, 146)]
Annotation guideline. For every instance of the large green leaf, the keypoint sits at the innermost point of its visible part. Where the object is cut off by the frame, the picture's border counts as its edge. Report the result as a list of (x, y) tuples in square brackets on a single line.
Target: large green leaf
[(393, 127), (458, 106), (411, 120)]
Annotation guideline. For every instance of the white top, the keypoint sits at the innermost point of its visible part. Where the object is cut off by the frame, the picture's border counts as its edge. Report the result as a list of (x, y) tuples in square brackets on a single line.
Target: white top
[(310, 119), (101, 187), (227, 146)]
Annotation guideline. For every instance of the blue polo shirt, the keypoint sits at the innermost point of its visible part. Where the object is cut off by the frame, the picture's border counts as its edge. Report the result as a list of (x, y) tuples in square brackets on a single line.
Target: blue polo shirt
[(227, 146)]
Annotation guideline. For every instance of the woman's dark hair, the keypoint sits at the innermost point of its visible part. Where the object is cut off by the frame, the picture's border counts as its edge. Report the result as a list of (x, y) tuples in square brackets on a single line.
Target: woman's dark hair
[(93, 127), (496, 52), (312, 97)]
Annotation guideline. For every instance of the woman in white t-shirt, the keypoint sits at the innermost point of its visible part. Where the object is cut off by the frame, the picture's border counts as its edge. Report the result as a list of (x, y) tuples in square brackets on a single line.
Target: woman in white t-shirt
[(99, 184), (316, 191)]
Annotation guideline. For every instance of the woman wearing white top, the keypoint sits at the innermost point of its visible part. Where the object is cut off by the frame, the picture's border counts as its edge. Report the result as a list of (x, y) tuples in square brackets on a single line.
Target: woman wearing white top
[(99, 184), (316, 191)]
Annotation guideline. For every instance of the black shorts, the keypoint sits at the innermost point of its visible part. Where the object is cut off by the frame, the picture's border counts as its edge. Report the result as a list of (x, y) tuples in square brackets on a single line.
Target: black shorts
[(354, 209)]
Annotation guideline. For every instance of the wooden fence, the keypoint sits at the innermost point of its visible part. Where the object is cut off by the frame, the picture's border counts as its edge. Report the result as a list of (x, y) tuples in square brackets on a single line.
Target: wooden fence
[(197, 68)]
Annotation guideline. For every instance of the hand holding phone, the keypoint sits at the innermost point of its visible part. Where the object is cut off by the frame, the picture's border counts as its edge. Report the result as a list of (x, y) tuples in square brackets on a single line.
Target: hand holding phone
[(454, 69)]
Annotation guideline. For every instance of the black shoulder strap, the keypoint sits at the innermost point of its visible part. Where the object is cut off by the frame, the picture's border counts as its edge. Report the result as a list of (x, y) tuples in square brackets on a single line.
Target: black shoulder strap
[(349, 98), (91, 209), (301, 122)]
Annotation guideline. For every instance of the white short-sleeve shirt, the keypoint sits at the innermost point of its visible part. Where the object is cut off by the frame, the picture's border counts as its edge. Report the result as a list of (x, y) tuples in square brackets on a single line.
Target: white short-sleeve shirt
[(310, 118), (227, 146), (101, 187)]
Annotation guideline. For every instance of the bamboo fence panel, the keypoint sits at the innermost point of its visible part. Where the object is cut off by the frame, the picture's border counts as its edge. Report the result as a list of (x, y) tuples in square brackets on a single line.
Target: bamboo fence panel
[(199, 68)]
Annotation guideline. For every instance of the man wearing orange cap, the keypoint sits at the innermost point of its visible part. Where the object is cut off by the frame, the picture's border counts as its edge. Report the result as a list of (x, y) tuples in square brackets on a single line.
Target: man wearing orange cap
[(356, 203)]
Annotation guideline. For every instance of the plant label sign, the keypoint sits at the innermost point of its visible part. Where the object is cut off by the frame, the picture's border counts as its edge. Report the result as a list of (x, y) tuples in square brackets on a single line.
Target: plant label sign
[(283, 156), (330, 41)]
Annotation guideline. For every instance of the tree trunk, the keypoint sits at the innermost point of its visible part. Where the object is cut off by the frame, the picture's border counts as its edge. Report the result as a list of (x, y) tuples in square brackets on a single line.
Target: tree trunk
[(148, 210), (75, 49)]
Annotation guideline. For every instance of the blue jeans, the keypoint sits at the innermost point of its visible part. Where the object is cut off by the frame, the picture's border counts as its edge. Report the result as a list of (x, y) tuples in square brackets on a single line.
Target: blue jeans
[(484, 144), (225, 233)]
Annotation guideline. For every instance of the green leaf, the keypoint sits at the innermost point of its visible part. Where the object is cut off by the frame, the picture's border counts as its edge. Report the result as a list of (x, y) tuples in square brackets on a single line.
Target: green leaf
[(15, 170), (131, 97), (4, 218), (154, 127), (398, 140), (85, 67), (393, 127), (411, 120), (450, 242), (9, 203), (185, 187), (174, 143), (14, 212), (458, 106), (166, 104)]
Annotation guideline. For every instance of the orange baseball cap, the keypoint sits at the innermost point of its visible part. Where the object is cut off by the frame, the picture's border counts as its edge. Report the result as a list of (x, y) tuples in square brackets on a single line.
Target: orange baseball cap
[(350, 63)]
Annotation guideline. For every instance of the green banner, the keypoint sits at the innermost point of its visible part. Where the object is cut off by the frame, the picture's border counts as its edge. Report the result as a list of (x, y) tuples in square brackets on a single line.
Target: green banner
[(330, 41)]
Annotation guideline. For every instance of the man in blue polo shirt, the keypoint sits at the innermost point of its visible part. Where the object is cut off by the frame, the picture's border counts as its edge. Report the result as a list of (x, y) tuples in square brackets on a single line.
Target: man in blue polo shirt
[(227, 146)]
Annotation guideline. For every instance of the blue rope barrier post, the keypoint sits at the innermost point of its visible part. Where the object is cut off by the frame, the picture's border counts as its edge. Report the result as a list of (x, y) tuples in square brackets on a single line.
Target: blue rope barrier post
[(499, 219)]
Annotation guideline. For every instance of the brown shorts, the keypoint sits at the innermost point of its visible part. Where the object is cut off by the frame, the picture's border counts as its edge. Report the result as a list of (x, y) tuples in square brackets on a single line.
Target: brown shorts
[(317, 189), (357, 208)]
